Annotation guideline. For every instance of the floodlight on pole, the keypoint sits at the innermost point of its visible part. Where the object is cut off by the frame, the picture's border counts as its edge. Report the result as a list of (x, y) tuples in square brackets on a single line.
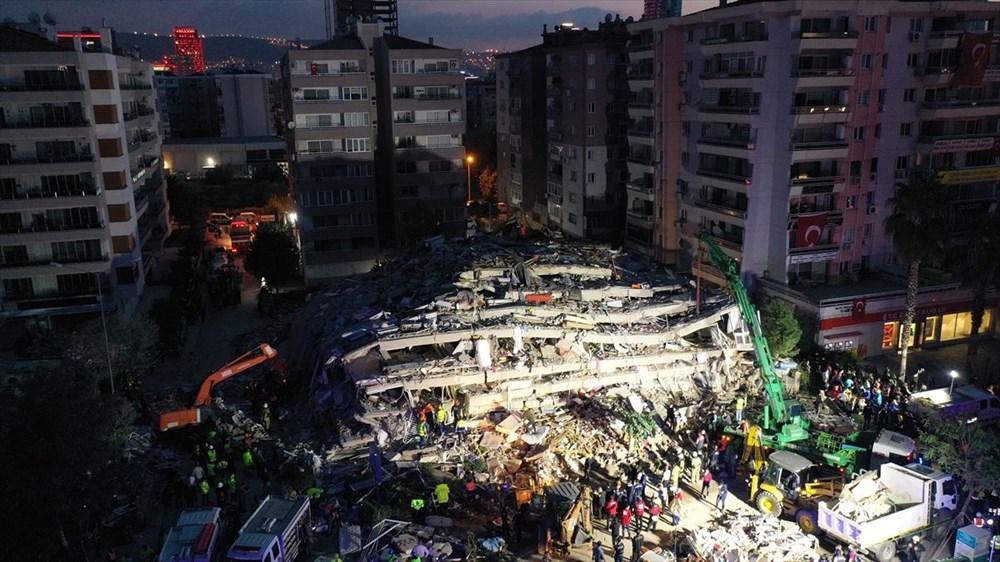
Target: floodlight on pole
[(953, 375), (104, 321)]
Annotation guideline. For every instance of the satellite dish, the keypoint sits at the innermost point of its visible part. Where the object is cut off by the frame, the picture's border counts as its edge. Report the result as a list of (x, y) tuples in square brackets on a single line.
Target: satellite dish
[(49, 18), (291, 125), (33, 17)]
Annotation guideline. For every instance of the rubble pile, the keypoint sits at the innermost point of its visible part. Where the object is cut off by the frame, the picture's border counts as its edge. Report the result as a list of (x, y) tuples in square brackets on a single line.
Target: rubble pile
[(864, 499), (757, 538), (514, 325)]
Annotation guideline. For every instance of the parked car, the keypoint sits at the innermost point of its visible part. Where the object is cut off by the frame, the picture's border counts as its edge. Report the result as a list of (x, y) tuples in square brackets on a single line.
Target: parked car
[(220, 219)]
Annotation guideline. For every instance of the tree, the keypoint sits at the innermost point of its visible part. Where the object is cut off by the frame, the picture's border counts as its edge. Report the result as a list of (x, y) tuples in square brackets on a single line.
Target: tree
[(55, 438), (488, 183), (780, 328), (966, 450), (279, 204), (981, 271), (918, 226), (132, 346), (273, 256)]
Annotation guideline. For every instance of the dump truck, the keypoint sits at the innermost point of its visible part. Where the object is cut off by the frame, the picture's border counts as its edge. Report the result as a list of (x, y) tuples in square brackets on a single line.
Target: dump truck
[(278, 531), (194, 537), (904, 502)]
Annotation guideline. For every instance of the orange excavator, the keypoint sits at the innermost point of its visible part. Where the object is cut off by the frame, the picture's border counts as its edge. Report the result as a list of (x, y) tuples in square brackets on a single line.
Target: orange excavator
[(172, 418)]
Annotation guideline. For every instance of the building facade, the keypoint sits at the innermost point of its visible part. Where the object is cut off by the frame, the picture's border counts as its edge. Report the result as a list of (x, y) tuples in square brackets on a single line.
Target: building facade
[(366, 10), (375, 146), (219, 105), (189, 51), (796, 120), (522, 144), (83, 207)]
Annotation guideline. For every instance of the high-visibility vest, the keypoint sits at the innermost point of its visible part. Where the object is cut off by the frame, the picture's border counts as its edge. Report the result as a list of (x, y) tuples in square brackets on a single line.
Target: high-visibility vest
[(442, 492), (422, 429), (204, 487), (442, 416), (231, 483), (416, 504), (247, 459), (461, 425), (212, 455)]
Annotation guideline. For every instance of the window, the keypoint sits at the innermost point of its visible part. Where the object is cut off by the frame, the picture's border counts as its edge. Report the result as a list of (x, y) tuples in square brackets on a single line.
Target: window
[(909, 94), (591, 106), (905, 129), (402, 67), (76, 250), (101, 80), (917, 24), (315, 94), (573, 60), (885, 61), (902, 162), (686, 128), (440, 165), (315, 147), (572, 175), (612, 59), (590, 154), (591, 131), (358, 145), (591, 177), (318, 121), (572, 218), (871, 23), (690, 36), (856, 167), (591, 83), (591, 58), (355, 93), (850, 203), (357, 119), (105, 114), (75, 283), (859, 133), (863, 96), (866, 61), (912, 60), (878, 130), (881, 96), (873, 166)]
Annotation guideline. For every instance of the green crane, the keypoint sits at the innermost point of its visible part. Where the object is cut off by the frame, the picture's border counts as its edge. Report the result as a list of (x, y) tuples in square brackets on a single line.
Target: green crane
[(782, 421)]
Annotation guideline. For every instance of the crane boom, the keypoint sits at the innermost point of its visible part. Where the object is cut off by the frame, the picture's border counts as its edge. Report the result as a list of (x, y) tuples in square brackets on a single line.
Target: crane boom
[(781, 414), (172, 418)]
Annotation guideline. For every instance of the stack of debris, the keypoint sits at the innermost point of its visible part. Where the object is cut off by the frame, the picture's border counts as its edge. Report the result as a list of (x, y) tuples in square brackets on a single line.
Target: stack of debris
[(756, 538), (864, 499)]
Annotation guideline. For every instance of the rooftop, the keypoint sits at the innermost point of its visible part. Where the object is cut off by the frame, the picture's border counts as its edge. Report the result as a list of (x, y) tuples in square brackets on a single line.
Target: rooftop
[(16, 41), (397, 42), (340, 43)]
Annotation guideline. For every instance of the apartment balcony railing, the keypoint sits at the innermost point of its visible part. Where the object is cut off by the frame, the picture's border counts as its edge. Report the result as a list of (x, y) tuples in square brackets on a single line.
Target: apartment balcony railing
[(641, 103), (83, 190), (424, 121), (729, 241), (51, 294), (136, 86), (42, 227), (819, 144), (746, 109), (732, 74), (820, 109), (139, 112), (644, 159), (639, 132), (644, 215), (850, 34), (734, 39), (44, 123), (817, 177), (640, 186), (38, 262), (723, 175), (742, 142), (961, 103), (809, 72), (824, 247), (22, 87), (725, 208), (49, 159), (450, 96)]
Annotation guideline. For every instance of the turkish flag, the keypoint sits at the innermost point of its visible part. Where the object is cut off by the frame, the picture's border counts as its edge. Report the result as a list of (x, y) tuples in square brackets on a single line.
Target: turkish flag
[(810, 230), (975, 57), (858, 310)]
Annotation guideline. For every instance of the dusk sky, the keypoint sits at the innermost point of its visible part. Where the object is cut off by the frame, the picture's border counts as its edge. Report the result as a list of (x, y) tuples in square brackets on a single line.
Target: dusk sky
[(468, 24)]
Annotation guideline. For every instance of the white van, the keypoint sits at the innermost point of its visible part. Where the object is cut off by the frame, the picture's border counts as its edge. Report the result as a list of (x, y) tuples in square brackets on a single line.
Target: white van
[(967, 403)]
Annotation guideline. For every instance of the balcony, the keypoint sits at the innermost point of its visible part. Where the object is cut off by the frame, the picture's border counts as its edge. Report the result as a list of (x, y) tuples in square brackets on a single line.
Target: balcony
[(48, 159), (727, 240), (818, 248), (22, 87), (46, 262), (740, 109), (724, 175), (958, 143), (449, 96), (722, 207), (135, 86), (37, 192), (817, 177), (810, 72), (139, 112), (732, 74), (736, 141), (44, 124), (43, 227), (639, 186), (734, 39), (818, 109), (640, 132), (956, 109), (641, 215), (642, 159)]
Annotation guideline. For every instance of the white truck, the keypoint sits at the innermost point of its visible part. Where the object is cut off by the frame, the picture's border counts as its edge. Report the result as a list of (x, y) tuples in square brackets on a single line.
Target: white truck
[(921, 502), (966, 403), (276, 532), (194, 536)]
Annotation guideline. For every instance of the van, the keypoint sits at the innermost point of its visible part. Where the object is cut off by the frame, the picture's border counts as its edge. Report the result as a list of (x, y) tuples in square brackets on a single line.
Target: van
[(219, 219), (967, 403)]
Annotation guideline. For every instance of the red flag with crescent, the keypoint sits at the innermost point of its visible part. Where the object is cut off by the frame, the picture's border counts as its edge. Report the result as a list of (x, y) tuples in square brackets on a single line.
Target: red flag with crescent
[(975, 57), (858, 310), (810, 230)]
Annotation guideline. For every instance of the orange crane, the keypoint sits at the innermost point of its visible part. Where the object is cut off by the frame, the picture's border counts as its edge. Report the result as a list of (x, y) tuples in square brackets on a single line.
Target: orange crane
[(170, 418)]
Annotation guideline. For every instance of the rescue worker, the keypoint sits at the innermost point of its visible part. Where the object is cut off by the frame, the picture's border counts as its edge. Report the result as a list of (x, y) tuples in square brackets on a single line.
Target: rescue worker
[(416, 508), (247, 460), (266, 416), (442, 494), (461, 428), (428, 412), (231, 484), (442, 418), (422, 432), (741, 404), (205, 488), (211, 454)]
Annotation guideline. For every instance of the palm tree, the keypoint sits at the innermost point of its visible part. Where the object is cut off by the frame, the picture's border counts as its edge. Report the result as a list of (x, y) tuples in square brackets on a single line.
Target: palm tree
[(982, 270), (919, 225)]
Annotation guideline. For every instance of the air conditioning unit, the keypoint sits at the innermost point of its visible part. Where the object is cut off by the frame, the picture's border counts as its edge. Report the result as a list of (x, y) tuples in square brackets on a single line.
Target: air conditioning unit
[(373, 102), (455, 135), (872, 210), (855, 179), (915, 36), (873, 177), (902, 174), (453, 64)]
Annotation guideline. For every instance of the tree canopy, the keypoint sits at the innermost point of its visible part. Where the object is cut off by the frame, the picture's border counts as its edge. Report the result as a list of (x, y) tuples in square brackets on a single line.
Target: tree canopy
[(132, 345), (780, 328), (273, 255), (967, 450)]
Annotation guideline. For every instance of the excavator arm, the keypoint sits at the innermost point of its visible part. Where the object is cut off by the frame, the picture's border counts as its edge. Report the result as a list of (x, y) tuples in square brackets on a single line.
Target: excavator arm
[(780, 414), (174, 419)]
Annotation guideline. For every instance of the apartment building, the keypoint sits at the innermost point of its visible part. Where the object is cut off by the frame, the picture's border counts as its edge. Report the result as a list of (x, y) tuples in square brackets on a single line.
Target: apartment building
[(220, 105), (83, 207), (796, 120), (522, 144), (586, 117), (375, 143)]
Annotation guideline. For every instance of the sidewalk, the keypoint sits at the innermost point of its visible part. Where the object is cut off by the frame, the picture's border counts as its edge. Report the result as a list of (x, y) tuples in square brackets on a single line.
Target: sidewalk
[(938, 361)]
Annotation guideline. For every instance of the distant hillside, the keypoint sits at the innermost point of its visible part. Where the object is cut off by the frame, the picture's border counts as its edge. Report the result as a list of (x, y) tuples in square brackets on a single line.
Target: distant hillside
[(254, 53)]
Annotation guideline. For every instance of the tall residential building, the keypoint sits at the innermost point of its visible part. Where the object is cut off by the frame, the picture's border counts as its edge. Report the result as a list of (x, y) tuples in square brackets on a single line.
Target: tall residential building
[(189, 51), (660, 8), (375, 143), (83, 207), (522, 145), (366, 11), (586, 119), (219, 105), (481, 94), (246, 104), (781, 129)]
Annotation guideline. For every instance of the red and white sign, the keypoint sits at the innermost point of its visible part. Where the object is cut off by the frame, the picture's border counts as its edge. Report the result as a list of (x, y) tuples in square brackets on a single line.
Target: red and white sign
[(858, 309), (809, 232)]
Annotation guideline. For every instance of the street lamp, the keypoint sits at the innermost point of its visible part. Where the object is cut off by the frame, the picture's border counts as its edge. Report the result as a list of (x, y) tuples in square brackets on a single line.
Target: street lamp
[(954, 375), (104, 322), (468, 182)]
